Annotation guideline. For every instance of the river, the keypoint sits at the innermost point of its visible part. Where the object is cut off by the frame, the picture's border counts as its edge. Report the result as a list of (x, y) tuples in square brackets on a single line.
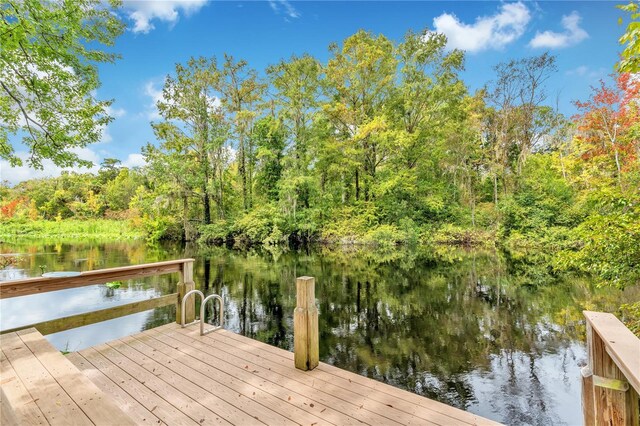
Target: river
[(472, 329)]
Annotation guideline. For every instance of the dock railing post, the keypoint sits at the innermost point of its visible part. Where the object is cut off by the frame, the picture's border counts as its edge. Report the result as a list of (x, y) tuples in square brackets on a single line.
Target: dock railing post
[(607, 397), (185, 285), (305, 325)]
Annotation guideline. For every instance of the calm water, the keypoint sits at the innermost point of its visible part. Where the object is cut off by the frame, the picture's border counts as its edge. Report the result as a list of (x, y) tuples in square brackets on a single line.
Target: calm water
[(471, 329)]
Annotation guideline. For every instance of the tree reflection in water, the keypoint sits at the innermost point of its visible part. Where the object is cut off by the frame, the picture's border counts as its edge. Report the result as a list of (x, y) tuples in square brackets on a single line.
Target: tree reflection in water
[(496, 336)]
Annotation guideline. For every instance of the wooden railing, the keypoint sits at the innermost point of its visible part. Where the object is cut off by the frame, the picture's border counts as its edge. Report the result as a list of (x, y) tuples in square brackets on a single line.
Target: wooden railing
[(37, 285), (611, 379)]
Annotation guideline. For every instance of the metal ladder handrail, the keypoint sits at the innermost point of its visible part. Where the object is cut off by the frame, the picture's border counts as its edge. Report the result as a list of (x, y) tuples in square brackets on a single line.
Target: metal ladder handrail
[(183, 317), (203, 305), (220, 316)]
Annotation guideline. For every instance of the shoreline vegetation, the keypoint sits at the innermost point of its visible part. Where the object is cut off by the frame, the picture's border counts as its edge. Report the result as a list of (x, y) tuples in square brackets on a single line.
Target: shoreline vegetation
[(383, 237), (532, 262)]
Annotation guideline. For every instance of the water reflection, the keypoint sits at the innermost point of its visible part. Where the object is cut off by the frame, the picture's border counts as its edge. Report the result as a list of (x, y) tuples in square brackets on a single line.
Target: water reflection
[(460, 327)]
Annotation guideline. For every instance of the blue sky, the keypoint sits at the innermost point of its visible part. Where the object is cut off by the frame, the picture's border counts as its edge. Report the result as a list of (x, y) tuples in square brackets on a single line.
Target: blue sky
[(582, 34)]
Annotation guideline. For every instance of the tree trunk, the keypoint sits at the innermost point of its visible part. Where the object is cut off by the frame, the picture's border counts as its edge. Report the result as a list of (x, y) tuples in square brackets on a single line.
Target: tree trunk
[(617, 157), (185, 219)]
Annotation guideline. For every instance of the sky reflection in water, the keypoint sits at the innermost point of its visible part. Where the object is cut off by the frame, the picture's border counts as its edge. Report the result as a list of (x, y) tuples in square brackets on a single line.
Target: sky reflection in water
[(467, 329)]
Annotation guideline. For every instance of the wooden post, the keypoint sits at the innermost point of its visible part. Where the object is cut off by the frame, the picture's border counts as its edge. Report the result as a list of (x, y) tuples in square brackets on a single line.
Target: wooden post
[(185, 285), (607, 397), (305, 325), (588, 409)]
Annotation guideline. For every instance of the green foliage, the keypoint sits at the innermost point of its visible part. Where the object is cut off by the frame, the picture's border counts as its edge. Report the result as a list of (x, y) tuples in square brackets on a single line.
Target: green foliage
[(544, 200), (609, 244), (630, 61), (114, 284), (49, 71), (161, 228), (68, 230), (259, 225), (450, 234), (631, 316), (269, 138), (385, 236)]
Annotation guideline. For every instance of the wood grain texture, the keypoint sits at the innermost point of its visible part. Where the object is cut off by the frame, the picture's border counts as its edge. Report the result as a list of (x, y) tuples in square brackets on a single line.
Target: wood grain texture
[(16, 399), (611, 355), (126, 402), (185, 285), (54, 402), (102, 411), (588, 407), (172, 375), (394, 398), (27, 286), (305, 325)]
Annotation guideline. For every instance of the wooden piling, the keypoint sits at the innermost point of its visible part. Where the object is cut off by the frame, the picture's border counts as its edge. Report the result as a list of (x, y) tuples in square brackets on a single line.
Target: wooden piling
[(305, 325), (185, 285)]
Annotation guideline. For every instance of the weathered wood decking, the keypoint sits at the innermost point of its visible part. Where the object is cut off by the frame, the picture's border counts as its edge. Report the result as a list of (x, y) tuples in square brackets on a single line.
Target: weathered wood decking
[(40, 386), (172, 375)]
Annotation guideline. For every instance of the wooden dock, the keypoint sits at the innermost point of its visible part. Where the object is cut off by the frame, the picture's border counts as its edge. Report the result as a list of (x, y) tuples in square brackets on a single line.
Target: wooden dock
[(172, 375)]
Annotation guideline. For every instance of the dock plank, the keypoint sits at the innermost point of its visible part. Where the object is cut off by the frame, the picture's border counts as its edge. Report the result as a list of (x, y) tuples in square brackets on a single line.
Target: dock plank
[(57, 407), (408, 402), (164, 389), (244, 395), (161, 408), (126, 402), (172, 375), (100, 410), (23, 407), (354, 405), (384, 405), (301, 409), (198, 388)]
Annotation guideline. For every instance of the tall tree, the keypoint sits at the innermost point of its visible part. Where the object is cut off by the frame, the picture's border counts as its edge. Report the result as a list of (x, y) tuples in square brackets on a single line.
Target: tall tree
[(296, 90), (608, 127), (192, 122), (517, 96), (360, 76), (241, 93), (269, 137), (429, 85), (48, 76)]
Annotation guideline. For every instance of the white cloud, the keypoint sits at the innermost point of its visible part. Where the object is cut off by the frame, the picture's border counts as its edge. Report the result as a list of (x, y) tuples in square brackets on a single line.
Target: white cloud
[(24, 172), (586, 72), (143, 12), (284, 6), (134, 160), (116, 112), (155, 94), (571, 35), (488, 32)]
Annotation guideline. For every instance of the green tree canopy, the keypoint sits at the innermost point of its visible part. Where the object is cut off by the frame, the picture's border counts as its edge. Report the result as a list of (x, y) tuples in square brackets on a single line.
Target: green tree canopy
[(48, 76), (630, 61)]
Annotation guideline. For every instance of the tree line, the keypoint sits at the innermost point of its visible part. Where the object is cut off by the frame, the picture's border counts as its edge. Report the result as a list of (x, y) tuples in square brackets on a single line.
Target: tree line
[(383, 144)]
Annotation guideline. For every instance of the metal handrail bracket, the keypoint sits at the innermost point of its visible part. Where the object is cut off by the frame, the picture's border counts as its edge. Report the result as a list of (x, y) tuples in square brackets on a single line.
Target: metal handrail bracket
[(202, 317), (183, 317)]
